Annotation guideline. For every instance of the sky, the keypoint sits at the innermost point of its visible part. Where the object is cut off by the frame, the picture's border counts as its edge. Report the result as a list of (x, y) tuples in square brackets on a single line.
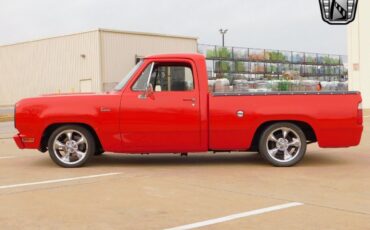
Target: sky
[(271, 24)]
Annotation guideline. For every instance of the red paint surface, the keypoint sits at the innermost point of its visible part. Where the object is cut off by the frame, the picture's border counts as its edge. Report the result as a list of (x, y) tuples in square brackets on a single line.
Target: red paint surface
[(166, 122)]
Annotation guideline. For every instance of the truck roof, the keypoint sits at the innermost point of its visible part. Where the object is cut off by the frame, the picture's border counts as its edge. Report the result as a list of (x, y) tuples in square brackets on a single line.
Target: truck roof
[(177, 55)]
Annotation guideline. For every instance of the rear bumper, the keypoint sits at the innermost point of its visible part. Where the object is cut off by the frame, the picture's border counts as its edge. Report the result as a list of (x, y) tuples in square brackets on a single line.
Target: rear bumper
[(340, 137), (18, 140)]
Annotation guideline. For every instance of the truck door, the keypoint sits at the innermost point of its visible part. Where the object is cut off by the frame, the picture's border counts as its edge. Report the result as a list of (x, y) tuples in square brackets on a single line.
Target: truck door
[(160, 111)]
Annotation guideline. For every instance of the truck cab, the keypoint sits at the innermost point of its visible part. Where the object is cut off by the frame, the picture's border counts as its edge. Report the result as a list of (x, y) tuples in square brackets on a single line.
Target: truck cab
[(163, 105)]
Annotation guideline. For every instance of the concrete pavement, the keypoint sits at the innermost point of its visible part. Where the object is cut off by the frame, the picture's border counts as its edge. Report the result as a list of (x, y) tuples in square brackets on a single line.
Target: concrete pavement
[(165, 191)]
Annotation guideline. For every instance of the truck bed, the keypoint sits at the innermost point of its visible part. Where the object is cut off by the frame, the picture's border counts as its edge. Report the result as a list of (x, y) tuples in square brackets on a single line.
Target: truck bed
[(331, 115), (283, 93)]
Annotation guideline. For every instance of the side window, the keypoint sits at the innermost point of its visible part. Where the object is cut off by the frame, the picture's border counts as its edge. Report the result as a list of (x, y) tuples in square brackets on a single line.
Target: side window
[(172, 77), (142, 82)]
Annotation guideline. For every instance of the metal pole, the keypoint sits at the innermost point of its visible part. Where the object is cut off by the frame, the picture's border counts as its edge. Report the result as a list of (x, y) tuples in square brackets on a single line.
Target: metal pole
[(223, 32)]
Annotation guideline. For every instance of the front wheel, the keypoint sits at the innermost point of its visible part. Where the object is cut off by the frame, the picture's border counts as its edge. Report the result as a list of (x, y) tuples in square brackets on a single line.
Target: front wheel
[(71, 146), (283, 144)]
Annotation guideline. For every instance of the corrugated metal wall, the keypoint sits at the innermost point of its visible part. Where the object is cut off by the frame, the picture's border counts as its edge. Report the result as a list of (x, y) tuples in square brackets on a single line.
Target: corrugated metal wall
[(119, 50), (67, 63), (53, 65), (359, 52)]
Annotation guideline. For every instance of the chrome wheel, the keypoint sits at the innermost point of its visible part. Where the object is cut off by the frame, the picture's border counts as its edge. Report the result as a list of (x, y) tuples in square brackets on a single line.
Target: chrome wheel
[(283, 144), (70, 147)]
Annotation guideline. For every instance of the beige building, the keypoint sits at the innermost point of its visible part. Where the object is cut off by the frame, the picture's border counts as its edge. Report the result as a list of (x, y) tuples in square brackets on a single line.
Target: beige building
[(91, 61), (359, 52)]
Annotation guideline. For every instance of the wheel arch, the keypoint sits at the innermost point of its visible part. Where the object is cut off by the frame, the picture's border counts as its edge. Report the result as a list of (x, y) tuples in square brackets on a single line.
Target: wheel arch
[(52, 127), (306, 128)]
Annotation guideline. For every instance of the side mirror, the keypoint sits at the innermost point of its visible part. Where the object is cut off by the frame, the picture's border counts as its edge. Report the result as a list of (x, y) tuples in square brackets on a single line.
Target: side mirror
[(149, 90), (147, 93)]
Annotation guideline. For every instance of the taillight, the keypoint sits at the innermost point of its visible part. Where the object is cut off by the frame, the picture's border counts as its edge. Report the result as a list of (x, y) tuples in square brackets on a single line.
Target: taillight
[(359, 114)]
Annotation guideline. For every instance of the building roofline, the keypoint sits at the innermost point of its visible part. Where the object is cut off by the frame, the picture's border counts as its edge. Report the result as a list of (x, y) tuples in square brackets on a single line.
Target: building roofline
[(147, 33), (101, 30), (48, 38)]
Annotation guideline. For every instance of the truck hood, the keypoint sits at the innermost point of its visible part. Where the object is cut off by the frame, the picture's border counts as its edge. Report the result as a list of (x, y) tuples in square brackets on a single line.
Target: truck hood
[(74, 102), (66, 94)]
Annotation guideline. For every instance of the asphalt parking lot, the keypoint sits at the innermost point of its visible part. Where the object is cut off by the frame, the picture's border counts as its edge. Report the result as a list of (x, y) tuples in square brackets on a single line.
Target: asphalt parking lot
[(329, 189)]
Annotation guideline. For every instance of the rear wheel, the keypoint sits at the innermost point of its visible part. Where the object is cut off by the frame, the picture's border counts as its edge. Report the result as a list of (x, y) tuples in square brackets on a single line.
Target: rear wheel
[(283, 144), (71, 146)]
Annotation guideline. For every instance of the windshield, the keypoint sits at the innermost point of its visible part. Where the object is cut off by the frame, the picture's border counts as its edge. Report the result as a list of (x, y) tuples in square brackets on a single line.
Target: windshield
[(127, 77)]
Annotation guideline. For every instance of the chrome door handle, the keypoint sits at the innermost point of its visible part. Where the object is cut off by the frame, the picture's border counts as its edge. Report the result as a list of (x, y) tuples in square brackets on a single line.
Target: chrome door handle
[(142, 97), (105, 109), (189, 99)]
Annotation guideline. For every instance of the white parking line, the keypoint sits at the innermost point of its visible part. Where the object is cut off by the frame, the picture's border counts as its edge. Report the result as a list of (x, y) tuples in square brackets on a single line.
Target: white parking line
[(8, 157), (236, 216), (13, 157), (56, 181)]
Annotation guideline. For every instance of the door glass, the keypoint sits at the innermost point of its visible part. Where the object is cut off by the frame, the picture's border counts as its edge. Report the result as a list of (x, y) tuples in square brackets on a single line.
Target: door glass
[(172, 77)]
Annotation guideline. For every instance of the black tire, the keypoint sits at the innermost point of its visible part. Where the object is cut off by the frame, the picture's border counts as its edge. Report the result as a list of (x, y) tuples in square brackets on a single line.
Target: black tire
[(87, 147), (279, 152), (99, 152)]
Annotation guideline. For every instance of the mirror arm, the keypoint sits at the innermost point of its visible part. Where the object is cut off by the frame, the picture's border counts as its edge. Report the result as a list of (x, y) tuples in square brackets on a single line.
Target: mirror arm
[(147, 93)]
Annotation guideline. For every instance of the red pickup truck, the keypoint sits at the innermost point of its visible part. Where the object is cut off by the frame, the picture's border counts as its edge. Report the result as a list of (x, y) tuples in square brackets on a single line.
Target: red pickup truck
[(164, 106)]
